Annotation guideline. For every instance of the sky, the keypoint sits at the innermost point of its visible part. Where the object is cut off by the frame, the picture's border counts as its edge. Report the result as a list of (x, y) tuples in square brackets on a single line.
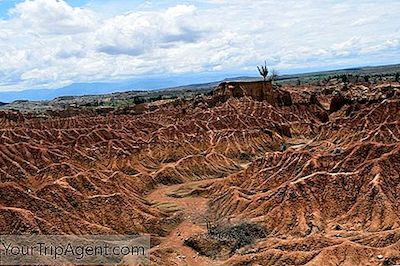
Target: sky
[(54, 43)]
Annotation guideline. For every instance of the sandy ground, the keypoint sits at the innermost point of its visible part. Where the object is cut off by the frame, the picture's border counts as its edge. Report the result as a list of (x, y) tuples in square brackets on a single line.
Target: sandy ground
[(194, 212)]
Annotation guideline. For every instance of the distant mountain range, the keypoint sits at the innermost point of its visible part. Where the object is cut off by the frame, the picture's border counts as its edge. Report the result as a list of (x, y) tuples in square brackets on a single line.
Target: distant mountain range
[(80, 89), (166, 82)]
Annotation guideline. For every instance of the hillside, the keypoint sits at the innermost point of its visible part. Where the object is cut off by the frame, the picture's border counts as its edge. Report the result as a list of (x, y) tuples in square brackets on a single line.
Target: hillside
[(206, 176), (91, 93)]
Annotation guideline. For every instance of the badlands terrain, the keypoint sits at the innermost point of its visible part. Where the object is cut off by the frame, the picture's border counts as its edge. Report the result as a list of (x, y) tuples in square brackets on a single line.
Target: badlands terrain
[(207, 178)]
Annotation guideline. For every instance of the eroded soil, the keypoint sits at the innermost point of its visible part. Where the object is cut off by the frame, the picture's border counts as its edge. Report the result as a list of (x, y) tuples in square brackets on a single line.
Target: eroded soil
[(331, 198)]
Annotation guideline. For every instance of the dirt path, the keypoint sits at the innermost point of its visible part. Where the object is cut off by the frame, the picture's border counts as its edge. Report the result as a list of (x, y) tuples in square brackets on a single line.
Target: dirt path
[(194, 210)]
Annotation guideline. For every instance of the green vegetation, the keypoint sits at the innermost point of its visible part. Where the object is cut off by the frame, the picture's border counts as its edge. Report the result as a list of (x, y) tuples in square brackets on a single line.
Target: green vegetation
[(369, 75), (121, 103)]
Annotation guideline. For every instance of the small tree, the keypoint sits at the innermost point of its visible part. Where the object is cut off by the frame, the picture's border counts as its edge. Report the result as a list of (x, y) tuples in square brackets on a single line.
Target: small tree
[(397, 78), (263, 70), (274, 75)]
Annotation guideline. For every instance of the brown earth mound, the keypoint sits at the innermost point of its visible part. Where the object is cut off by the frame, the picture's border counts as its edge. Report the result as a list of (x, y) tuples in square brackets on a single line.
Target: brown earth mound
[(256, 90), (332, 197)]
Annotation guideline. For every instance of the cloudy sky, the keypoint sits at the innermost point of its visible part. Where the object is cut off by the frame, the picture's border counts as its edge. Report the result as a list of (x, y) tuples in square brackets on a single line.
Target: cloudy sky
[(53, 43)]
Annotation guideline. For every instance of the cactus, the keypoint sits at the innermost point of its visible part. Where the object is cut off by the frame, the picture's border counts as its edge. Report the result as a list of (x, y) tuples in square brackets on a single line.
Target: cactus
[(263, 70)]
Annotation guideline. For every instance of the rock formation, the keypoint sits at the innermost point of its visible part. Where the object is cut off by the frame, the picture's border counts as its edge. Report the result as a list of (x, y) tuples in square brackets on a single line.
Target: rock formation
[(256, 90), (331, 198)]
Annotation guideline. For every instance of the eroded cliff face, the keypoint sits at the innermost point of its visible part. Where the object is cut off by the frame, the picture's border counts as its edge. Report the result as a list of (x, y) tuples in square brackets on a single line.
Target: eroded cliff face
[(331, 198), (256, 90)]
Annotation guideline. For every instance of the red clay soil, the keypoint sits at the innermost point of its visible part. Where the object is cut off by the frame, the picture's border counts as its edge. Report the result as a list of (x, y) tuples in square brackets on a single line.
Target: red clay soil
[(331, 198)]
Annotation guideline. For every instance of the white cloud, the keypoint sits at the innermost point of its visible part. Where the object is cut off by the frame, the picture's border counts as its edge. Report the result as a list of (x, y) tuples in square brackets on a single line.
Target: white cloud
[(48, 43), (53, 17)]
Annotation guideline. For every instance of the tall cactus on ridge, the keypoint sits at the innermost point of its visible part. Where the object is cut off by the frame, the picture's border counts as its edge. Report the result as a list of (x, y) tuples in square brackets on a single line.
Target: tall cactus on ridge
[(263, 70)]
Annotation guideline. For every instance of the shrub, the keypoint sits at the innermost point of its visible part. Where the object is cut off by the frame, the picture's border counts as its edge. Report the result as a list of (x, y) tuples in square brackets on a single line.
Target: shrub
[(222, 240), (240, 235)]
